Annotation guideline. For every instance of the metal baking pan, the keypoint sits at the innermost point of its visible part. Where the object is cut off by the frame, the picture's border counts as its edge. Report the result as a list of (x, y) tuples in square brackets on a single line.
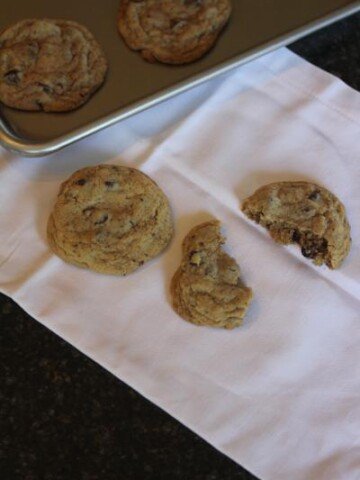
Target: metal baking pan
[(132, 84)]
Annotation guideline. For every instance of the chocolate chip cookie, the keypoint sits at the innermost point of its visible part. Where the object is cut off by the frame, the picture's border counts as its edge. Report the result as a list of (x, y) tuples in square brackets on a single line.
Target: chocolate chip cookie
[(206, 289), (306, 214), (50, 65), (172, 31), (111, 219)]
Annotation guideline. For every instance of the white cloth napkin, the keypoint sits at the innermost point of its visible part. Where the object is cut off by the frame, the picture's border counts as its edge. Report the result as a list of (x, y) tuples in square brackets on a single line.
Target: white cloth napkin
[(280, 395)]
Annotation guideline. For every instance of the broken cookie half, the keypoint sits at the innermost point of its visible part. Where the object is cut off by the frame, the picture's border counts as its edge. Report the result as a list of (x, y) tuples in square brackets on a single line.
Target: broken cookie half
[(206, 289), (306, 214)]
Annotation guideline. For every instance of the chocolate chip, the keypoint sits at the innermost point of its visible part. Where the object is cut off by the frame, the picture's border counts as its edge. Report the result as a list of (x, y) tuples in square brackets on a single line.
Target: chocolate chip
[(177, 24), (315, 196), (309, 252), (141, 263), (314, 248), (80, 182), (45, 87), (12, 77), (110, 184), (102, 219), (296, 236)]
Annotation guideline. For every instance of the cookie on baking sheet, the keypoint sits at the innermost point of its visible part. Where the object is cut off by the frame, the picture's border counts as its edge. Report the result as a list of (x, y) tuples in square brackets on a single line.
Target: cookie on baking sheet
[(111, 219), (172, 31), (50, 65), (206, 289), (306, 214)]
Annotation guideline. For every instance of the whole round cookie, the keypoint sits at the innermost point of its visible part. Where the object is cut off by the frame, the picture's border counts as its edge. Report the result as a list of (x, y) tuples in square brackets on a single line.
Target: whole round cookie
[(207, 289), (50, 65), (306, 214), (111, 219), (172, 31)]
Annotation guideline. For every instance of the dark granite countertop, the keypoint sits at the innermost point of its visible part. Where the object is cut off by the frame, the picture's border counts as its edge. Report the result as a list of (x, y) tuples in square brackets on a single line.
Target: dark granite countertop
[(62, 417)]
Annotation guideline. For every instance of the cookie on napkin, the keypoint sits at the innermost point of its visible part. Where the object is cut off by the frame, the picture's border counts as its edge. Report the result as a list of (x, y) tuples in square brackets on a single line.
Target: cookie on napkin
[(207, 289), (110, 219), (306, 214)]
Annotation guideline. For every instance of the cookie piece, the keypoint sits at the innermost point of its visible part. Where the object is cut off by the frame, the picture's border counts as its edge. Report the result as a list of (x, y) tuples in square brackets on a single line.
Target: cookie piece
[(50, 65), (111, 219), (306, 214), (206, 289), (172, 31)]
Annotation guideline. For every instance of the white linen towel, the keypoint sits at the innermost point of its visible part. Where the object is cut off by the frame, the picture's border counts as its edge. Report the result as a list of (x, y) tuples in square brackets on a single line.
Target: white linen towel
[(280, 395)]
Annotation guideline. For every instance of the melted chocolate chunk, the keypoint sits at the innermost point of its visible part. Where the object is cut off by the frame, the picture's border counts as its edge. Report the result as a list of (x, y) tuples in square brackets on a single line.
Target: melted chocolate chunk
[(12, 77), (103, 219), (296, 236), (315, 196), (81, 182), (110, 184), (314, 248), (46, 88)]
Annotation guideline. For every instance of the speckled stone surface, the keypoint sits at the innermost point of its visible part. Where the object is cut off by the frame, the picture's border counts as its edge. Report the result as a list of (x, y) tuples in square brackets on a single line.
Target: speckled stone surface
[(335, 49), (62, 417)]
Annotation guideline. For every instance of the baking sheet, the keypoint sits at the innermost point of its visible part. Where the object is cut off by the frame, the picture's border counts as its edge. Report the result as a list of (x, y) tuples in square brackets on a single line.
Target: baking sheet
[(255, 27)]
